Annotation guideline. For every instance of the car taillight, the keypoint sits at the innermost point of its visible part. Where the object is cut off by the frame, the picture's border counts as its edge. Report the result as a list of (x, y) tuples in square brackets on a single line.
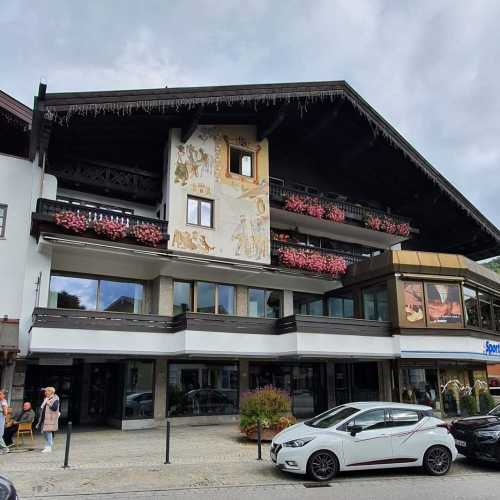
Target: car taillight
[(445, 425)]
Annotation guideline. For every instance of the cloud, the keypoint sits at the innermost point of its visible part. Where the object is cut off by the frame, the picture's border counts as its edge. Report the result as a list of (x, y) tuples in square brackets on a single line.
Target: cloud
[(430, 68)]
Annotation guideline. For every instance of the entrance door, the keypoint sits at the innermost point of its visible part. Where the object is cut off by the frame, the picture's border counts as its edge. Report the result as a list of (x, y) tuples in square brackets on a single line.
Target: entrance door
[(342, 385), (370, 446), (105, 399)]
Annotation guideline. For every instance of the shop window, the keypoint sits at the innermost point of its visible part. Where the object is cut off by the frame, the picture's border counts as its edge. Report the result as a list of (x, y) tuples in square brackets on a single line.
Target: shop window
[(200, 211), (94, 294), (471, 307), (139, 390), (264, 303), (202, 389), (3, 220), (375, 303), (241, 161), (341, 307), (419, 386), (485, 311), (496, 312), (308, 304), (364, 381), (183, 297)]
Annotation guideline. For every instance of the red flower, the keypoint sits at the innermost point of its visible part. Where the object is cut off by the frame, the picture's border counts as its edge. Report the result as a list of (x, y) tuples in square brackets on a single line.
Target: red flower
[(335, 214), (296, 203), (309, 260), (403, 229), (147, 234), (72, 221), (315, 210), (373, 222), (111, 229)]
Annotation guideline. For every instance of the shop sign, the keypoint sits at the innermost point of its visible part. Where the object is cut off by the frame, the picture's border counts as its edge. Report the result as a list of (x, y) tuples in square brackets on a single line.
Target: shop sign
[(491, 348)]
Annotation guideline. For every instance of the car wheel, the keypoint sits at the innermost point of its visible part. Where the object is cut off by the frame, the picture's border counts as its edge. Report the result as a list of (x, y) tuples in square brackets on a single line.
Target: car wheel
[(437, 460), (322, 466)]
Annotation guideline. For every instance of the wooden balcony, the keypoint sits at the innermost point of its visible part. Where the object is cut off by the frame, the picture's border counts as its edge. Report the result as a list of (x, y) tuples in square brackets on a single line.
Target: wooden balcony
[(44, 220)]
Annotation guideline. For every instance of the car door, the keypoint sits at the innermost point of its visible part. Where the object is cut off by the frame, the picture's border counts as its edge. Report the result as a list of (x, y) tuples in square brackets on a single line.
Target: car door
[(370, 446), (408, 437)]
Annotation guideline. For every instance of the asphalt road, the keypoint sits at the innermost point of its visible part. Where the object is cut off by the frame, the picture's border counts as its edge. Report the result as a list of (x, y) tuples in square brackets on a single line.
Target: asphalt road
[(478, 483)]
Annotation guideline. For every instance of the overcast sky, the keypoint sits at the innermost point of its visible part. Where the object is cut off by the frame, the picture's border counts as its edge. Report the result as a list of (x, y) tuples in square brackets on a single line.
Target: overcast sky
[(432, 68)]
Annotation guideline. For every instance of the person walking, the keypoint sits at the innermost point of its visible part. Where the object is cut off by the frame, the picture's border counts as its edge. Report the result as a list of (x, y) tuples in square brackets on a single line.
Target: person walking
[(4, 408), (49, 417)]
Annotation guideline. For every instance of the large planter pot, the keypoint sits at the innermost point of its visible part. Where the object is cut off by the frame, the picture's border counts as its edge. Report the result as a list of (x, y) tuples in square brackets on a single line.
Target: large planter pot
[(265, 434)]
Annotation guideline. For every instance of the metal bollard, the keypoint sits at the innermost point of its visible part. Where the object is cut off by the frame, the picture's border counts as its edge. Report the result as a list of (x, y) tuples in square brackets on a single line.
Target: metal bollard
[(167, 444), (259, 442), (68, 442)]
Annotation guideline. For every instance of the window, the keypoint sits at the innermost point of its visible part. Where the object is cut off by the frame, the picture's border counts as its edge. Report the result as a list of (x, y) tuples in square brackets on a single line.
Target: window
[(225, 299), (3, 220), (202, 389), (241, 161), (264, 303), (308, 303), (95, 294), (331, 417), (341, 307), (200, 211), (485, 311), (375, 303), (205, 297), (401, 418), (471, 310), (139, 389), (183, 297), (496, 312), (374, 419)]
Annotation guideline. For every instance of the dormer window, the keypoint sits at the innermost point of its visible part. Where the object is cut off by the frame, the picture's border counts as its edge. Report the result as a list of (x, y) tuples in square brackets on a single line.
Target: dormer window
[(241, 161)]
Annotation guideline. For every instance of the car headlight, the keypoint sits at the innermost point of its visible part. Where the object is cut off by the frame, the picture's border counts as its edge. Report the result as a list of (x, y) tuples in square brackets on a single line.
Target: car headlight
[(488, 435), (298, 443)]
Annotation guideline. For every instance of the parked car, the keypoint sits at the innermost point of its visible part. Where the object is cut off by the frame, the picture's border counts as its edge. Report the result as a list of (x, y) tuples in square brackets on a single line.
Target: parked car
[(479, 437), (365, 436), (7, 489)]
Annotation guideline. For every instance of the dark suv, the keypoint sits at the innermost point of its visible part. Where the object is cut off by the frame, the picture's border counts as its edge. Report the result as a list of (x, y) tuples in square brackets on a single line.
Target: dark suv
[(7, 490), (479, 437)]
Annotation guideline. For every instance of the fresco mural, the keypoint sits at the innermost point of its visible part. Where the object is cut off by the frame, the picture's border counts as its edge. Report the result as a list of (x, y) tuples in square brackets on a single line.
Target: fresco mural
[(200, 167)]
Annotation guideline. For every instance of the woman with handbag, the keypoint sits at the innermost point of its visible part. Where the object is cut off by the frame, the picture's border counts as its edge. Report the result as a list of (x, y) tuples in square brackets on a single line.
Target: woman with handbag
[(49, 417)]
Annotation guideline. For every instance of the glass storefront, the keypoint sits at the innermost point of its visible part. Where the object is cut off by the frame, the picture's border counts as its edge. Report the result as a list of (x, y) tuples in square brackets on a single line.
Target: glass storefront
[(139, 389), (202, 389), (306, 385), (420, 386), (356, 382)]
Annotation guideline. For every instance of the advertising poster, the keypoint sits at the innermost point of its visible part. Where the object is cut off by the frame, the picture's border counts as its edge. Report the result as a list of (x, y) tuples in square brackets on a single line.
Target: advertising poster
[(414, 303), (443, 304)]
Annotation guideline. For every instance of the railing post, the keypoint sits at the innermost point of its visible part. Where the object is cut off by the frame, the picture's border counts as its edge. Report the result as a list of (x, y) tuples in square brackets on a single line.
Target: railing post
[(259, 441), (167, 444), (68, 442)]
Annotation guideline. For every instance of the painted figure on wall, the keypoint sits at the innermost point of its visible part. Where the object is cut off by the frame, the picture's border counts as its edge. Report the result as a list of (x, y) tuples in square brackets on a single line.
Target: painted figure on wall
[(251, 238), (191, 163), (194, 241)]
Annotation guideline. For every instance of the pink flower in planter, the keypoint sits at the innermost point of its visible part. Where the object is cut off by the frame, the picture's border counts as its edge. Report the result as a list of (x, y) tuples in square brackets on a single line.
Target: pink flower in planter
[(403, 229), (296, 203), (335, 214), (147, 234), (315, 209), (389, 226), (110, 229), (72, 221), (335, 265), (309, 260)]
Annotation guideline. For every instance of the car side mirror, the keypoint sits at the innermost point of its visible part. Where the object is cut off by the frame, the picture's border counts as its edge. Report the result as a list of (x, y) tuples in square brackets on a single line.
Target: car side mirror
[(354, 429)]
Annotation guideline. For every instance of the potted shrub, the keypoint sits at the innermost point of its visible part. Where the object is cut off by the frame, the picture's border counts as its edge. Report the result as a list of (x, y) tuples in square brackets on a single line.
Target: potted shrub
[(468, 406), (269, 406), (486, 402)]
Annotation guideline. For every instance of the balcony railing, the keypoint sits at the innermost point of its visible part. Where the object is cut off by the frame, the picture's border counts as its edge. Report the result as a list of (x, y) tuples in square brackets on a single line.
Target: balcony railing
[(47, 209), (350, 257), (353, 212)]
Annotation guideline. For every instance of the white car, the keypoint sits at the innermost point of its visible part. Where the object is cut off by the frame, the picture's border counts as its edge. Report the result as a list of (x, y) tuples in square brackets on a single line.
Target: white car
[(364, 436)]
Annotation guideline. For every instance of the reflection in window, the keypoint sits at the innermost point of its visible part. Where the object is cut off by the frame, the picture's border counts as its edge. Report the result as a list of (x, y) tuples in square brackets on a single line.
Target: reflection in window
[(71, 292), (471, 307), (3, 219), (485, 311), (183, 293), (120, 296), (264, 303), (341, 307), (308, 304), (225, 299), (375, 304), (370, 420), (139, 389), (240, 161), (205, 297), (496, 312), (199, 211), (202, 389), (419, 386)]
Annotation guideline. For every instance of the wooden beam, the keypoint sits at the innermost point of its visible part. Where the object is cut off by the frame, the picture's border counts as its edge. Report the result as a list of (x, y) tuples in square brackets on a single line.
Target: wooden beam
[(188, 130), (267, 129), (327, 120)]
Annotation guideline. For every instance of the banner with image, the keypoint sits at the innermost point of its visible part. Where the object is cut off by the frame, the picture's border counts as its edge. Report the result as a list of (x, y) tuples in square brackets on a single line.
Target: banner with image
[(414, 302), (443, 304)]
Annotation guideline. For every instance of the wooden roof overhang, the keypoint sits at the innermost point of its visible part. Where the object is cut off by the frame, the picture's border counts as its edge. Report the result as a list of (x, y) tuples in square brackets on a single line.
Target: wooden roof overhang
[(311, 110)]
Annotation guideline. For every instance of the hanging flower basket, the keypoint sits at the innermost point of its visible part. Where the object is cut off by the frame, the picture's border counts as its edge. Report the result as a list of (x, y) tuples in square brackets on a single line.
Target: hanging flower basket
[(147, 234), (312, 261), (71, 221), (110, 229)]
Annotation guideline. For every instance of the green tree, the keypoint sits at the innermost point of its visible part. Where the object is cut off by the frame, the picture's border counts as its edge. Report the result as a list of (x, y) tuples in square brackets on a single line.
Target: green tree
[(494, 265)]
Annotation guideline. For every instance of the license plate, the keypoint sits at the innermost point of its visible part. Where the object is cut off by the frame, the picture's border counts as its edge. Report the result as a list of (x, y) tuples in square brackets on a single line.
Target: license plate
[(460, 443)]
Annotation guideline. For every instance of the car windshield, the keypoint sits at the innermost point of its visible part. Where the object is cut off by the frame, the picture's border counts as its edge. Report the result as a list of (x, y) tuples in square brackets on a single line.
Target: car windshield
[(495, 412), (331, 417)]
